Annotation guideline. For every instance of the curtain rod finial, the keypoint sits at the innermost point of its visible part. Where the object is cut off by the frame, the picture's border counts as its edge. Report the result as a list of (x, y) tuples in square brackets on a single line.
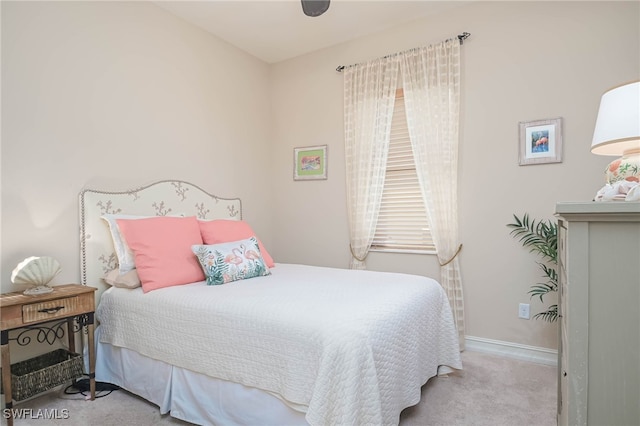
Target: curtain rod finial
[(340, 68), (462, 37)]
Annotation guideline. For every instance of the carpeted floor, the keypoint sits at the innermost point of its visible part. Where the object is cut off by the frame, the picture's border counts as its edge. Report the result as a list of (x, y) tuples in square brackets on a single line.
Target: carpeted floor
[(490, 390)]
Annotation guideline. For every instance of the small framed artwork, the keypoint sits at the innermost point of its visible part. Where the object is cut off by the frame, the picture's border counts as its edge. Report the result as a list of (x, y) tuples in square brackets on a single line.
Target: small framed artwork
[(540, 141), (310, 162)]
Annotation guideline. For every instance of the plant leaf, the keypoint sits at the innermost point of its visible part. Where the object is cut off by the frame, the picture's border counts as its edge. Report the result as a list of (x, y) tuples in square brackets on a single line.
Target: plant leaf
[(541, 237)]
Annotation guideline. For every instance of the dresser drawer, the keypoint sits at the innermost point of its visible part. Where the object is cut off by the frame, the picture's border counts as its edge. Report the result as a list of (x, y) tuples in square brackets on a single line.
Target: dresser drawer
[(50, 309)]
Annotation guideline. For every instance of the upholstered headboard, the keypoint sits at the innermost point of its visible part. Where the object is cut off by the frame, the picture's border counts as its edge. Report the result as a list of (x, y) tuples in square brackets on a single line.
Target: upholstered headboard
[(168, 197)]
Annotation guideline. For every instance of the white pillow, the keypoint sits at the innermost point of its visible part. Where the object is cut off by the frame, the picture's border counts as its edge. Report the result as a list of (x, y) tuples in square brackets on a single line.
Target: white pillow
[(124, 254)]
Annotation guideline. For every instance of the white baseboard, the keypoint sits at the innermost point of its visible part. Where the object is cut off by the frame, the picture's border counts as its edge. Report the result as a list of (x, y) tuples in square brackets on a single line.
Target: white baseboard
[(512, 350)]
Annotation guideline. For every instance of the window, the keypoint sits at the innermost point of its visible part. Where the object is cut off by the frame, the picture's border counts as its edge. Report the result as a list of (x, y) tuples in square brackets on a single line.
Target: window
[(402, 221)]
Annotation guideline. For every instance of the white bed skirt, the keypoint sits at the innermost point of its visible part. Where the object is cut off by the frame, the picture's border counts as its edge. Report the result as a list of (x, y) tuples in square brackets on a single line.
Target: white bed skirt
[(190, 396)]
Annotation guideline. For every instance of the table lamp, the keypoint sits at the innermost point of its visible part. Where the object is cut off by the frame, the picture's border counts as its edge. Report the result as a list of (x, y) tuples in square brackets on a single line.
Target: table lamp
[(36, 273), (617, 132)]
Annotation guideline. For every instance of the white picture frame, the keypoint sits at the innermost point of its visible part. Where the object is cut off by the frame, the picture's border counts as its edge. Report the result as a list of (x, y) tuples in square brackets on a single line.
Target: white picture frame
[(540, 141)]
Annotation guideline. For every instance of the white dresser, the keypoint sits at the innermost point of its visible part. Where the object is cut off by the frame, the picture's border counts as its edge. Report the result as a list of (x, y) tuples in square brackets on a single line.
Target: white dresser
[(599, 308)]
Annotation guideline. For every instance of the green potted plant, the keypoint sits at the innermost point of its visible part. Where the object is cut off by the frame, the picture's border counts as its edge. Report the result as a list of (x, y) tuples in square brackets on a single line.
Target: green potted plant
[(541, 237)]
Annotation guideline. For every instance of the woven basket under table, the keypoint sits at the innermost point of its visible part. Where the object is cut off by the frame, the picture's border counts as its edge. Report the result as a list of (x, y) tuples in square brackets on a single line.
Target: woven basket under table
[(44, 372)]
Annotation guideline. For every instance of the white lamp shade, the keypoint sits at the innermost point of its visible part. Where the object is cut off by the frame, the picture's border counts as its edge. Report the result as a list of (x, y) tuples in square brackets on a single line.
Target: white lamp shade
[(618, 124)]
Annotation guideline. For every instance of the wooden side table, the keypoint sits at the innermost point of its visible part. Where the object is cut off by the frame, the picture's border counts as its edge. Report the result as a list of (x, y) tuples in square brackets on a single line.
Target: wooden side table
[(70, 302)]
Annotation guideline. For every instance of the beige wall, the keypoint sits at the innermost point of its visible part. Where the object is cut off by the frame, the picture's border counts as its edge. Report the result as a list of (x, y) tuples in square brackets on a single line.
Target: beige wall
[(524, 61), (114, 95)]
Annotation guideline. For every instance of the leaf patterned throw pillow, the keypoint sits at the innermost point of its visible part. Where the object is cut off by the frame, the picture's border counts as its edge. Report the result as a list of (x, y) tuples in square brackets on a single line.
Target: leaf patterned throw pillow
[(227, 262)]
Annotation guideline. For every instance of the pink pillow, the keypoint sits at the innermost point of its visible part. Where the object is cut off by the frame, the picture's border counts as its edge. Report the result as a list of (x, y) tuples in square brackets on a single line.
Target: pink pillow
[(162, 250), (225, 231)]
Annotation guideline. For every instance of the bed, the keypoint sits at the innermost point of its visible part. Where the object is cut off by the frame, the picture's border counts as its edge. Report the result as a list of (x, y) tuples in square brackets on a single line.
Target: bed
[(294, 344)]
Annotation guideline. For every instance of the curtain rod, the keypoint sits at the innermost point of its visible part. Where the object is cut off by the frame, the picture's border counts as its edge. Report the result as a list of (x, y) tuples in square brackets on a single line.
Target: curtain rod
[(461, 37)]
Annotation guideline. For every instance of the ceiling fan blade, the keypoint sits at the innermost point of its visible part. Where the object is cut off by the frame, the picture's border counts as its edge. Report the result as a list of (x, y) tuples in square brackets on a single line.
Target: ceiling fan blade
[(315, 7)]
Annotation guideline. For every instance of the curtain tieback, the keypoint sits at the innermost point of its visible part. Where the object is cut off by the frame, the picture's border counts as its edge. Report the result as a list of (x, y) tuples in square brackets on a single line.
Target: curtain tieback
[(450, 260), (356, 257)]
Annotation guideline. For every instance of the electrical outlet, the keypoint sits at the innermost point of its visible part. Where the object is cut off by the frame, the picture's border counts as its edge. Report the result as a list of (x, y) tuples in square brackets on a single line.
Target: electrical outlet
[(523, 311)]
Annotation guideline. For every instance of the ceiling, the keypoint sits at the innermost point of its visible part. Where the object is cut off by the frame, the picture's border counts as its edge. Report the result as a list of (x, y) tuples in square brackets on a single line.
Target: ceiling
[(276, 30)]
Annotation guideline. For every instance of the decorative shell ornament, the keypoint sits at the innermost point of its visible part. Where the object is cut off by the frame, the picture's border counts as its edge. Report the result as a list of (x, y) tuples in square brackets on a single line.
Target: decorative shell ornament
[(36, 272)]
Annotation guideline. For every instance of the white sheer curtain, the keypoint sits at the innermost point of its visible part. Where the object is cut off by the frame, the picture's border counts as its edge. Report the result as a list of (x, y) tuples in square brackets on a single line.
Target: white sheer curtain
[(369, 95), (431, 81)]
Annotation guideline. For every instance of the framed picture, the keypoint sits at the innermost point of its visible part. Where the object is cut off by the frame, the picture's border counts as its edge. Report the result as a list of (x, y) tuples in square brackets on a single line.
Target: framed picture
[(310, 162), (540, 141)]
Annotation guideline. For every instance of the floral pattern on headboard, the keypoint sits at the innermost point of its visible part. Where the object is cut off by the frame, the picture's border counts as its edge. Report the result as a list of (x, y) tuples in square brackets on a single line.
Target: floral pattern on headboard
[(168, 197)]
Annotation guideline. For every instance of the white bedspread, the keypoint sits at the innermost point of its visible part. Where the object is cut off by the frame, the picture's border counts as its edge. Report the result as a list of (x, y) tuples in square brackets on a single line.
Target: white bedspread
[(344, 346)]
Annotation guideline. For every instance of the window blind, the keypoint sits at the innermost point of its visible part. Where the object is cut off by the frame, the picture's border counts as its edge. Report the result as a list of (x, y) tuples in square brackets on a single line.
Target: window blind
[(402, 221)]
